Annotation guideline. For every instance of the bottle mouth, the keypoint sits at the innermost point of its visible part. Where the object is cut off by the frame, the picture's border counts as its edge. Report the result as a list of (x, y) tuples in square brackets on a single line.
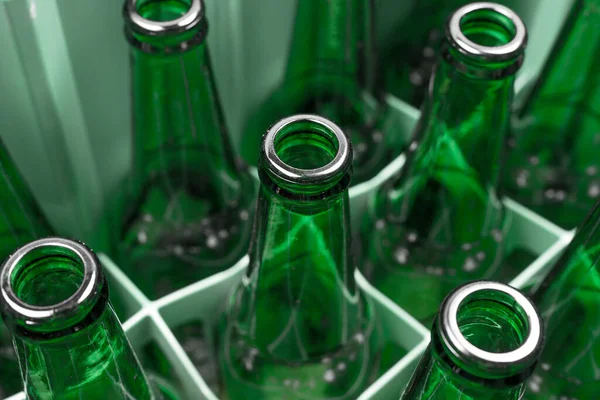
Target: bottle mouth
[(163, 17), (50, 285), (487, 31), (306, 152), (491, 331)]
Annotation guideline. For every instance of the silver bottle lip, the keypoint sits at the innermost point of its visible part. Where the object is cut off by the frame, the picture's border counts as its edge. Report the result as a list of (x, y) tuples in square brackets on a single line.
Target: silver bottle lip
[(140, 24), (86, 295), (525, 355), (341, 161), (467, 46)]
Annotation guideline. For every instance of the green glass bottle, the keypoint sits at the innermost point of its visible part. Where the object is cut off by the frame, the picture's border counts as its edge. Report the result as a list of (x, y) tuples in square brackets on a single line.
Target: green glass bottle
[(298, 326), (553, 166), (188, 212), (70, 345), (330, 72), (410, 53), (485, 342), (21, 221), (439, 221), (569, 302)]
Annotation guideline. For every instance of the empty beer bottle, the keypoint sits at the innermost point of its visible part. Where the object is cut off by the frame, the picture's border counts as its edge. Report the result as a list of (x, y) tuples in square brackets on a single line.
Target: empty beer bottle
[(439, 221), (70, 345), (21, 222), (553, 166), (188, 213), (298, 326), (330, 72), (485, 342), (569, 303)]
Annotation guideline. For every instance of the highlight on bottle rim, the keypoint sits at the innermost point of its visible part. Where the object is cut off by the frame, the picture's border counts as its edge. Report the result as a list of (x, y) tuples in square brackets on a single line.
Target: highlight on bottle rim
[(66, 312), (524, 356), (498, 12), (302, 123), (143, 25)]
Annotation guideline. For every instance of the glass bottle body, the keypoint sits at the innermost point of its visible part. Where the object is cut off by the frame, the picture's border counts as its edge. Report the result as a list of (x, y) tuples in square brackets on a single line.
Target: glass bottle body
[(552, 166), (569, 296), (440, 222), (22, 221), (187, 213), (298, 325)]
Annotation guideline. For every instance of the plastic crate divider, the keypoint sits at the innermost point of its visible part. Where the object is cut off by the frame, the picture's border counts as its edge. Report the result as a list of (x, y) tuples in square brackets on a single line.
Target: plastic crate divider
[(132, 298), (538, 269)]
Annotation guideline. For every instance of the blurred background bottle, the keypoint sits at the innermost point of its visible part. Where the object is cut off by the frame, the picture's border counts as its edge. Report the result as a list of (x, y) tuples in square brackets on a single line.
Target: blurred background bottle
[(54, 299), (21, 221), (485, 342), (439, 222), (331, 72), (298, 326), (553, 165), (187, 213), (569, 302)]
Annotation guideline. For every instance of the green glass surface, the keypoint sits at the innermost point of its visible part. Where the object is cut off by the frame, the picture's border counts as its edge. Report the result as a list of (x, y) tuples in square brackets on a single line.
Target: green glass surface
[(86, 356), (330, 72), (21, 221), (553, 166), (188, 211), (569, 302), (298, 326), (412, 51), (490, 324), (439, 222)]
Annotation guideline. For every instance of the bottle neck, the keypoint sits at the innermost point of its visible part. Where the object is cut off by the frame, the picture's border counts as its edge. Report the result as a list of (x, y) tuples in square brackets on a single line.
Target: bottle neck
[(453, 162), (300, 274), (21, 219), (338, 49), (180, 137), (70, 345), (435, 380), (92, 363)]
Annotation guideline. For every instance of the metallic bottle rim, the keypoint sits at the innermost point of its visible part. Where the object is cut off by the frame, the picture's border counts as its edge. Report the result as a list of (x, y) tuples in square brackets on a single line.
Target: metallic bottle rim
[(155, 28), (85, 297), (524, 356), (342, 160), (492, 53)]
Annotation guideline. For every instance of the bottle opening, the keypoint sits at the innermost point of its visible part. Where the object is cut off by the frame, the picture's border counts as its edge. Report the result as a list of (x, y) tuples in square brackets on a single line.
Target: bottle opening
[(306, 145), (306, 151), (49, 285), (489, 28), (488, 31), (493, 321), (490, 330), (47, 277), (163, 10), (164, 17)]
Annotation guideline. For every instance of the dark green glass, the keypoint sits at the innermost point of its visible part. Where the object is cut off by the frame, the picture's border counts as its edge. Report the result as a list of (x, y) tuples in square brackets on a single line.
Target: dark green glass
[(485, 342), (21, 221), (439, 222), (70, 345), (412, 50), (569, 302), (298, 326), (330, 73), (553, 166), (188, 212)]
